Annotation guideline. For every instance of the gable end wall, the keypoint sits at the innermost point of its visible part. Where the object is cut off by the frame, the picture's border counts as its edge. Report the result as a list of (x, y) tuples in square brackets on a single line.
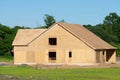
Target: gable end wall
[(66, 42)]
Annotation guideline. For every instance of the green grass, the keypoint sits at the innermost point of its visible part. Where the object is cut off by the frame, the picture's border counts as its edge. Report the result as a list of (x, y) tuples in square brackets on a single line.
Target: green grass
[(28, 73), (6, 58)]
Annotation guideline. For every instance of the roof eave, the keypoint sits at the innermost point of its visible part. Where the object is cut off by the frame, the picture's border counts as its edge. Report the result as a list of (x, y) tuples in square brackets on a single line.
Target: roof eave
[(106, 49), (20, 45)]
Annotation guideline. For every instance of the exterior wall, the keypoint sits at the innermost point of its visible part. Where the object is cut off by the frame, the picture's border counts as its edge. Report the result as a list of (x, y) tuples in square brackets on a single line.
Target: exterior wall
[(24, 55), (66, 43), (19, 54)]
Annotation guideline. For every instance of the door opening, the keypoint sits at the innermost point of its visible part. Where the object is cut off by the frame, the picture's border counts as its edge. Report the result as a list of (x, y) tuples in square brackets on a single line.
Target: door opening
[(52, 57)]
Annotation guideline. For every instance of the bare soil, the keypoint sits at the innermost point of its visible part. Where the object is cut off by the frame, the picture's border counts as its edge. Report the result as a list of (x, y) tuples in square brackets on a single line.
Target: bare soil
[(40, 66), (108, 65), (8, 77), (103, 65)]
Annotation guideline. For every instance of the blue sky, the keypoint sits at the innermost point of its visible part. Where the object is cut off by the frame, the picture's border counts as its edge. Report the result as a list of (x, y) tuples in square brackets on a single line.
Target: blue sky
[(30, 13)]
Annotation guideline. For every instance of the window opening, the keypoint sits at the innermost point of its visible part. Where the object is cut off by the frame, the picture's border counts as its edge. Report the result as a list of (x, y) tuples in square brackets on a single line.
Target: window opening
[(52, 41), (70, 54), (52, 55)]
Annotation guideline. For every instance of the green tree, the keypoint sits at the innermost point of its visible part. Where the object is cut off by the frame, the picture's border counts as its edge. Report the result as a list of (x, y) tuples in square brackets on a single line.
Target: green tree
[(63, 21), (111, 19), (5, 39), (7, 35), (111, 25), (49, 20)]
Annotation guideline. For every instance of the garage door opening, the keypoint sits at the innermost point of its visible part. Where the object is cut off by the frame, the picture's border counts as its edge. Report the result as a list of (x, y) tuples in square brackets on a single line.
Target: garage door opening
[(52, 57)]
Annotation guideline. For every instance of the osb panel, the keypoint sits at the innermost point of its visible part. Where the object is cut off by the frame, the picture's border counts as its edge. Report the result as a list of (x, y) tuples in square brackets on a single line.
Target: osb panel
[(30, 56), (60, 56), (20, 57), (82, 56), (97, 56)]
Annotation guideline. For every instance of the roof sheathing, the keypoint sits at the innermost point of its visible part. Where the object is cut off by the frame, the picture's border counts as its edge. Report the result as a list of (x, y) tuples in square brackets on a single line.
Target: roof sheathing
[(24, 36), (87, 36)]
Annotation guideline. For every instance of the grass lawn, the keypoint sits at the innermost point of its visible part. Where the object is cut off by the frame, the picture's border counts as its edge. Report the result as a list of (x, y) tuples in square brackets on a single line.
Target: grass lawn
[(6, 58), (28, 73)]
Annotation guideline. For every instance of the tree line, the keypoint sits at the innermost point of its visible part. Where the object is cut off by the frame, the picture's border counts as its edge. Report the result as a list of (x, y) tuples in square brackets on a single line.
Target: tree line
[(108, 30)]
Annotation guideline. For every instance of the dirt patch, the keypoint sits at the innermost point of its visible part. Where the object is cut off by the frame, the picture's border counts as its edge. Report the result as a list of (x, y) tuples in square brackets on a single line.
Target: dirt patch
[(8, 77), (106, 65), (5, 63), (41, 66)]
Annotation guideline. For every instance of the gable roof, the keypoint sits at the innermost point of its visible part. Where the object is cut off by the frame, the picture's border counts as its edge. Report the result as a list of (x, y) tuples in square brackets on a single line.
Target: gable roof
[(24, 36), (86, 36), (89, 38)]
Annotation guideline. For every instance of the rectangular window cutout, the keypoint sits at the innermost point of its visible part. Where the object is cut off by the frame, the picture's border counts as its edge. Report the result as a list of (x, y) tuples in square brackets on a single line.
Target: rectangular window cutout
[(52, 41), (70, 54), (52, 55)]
